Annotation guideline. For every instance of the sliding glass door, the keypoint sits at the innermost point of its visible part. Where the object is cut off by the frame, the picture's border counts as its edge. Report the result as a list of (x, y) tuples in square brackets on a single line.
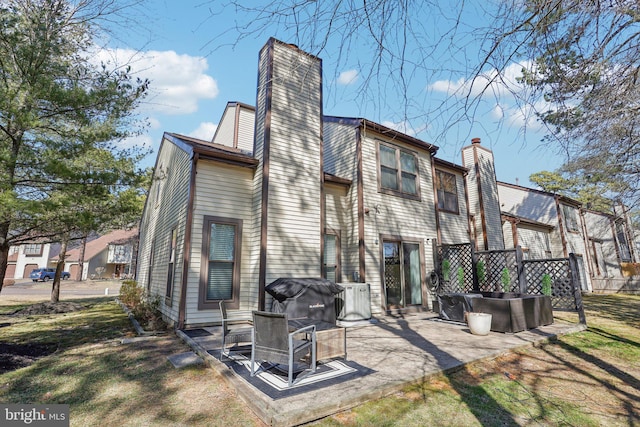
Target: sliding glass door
[(402, 274)]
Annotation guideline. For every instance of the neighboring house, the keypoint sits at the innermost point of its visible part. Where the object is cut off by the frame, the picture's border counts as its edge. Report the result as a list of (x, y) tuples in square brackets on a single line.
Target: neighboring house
[(108, 256), (284, 191), (26, 257), (548, 225)]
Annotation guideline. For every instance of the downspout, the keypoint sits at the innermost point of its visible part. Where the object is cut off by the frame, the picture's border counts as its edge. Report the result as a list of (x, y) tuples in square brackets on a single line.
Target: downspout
[(186, 245), (470, 232), (587, 246), (614, 232), (561, 227), (360, 197), (435, 200), (628, 232), (323, 200)]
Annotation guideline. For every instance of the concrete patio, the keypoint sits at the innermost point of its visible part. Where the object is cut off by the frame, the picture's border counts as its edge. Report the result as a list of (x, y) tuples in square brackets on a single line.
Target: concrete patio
[(400, 350)]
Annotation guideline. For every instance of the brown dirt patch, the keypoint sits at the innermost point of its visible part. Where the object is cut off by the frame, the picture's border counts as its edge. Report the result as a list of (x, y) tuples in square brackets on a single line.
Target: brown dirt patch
[(49, 308), (16, 356)]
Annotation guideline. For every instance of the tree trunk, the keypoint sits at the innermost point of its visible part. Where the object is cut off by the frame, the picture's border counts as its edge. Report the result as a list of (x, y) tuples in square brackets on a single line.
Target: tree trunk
[(4, 261), (55, 288), (83, 247)]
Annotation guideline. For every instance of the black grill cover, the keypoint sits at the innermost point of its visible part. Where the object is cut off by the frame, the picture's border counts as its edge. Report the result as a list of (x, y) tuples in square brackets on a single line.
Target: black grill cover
[(310, 298)]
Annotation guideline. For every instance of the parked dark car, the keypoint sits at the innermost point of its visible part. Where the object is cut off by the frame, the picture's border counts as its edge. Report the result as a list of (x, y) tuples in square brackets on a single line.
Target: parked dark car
[(46, 274)]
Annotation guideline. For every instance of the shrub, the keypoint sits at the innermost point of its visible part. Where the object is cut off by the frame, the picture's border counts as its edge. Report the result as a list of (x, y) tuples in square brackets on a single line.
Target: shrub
[(446, 269), (480, 271), (546, 284), (131, 294), (461, 277), (148, 314), (144, 307), (506, 280)]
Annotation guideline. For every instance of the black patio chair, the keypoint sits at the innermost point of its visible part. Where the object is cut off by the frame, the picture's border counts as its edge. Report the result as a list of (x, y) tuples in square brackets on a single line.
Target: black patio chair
[(273, 343), (233, 336)]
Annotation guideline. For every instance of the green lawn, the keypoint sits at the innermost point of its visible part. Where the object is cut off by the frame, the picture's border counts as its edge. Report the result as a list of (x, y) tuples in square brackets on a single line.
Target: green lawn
[(108, 383), (590, 378)]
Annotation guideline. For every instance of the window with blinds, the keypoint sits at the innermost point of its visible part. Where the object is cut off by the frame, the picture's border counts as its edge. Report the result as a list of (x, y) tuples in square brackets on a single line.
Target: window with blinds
[(331, 262), (172, 263), (221, 261)]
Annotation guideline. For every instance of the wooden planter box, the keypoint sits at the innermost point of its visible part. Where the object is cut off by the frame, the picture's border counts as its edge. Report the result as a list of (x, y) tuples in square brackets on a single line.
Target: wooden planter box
[(513, 312)]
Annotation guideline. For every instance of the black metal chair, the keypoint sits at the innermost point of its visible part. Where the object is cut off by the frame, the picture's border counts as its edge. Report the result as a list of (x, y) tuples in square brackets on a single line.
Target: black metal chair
[(233, 336), (273, 343)]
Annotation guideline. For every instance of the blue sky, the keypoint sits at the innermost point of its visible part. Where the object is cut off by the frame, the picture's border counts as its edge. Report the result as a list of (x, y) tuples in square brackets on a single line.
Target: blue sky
[(193, 77)]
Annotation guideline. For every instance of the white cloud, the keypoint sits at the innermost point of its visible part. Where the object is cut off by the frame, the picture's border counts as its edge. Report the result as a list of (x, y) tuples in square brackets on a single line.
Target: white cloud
[(139, 141), (497, 84), (205, 131), (154, 123), (177, 82), (348, 77)]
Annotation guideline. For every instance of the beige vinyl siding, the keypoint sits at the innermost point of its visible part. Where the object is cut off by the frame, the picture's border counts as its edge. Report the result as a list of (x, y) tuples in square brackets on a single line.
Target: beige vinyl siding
[(575, 239), (474, 201), (599, 228), (173, 170), (490, 198), (507, 233), (340, 160), (454, 227), (246, 129), (222, 190), (536, 206), (535, 240), (405, 218), (294, 228), (225, 131), (532, 205), (340, 156), (338, 219), (236, 127)]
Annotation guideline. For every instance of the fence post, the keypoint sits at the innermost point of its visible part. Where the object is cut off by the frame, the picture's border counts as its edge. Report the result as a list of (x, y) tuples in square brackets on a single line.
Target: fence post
[(522, 280), (577, 289)]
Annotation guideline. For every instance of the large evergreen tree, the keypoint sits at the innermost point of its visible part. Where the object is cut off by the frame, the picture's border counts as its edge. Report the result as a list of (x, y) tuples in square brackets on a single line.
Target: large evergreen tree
[(61, 118)]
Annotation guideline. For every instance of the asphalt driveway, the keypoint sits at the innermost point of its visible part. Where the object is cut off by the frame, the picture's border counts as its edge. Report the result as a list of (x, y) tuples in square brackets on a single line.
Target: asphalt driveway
[(26, 290)]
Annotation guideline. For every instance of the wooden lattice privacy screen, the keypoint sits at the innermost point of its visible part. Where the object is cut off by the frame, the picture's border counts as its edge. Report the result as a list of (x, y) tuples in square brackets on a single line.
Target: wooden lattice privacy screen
[(460, 269)]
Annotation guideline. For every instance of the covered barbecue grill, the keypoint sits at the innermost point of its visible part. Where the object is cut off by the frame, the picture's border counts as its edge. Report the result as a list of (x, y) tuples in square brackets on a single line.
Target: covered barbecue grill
[(310, 298)]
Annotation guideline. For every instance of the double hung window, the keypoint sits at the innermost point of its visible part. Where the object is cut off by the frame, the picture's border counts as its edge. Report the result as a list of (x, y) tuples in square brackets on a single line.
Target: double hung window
[(447, 192), (398, 171)]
